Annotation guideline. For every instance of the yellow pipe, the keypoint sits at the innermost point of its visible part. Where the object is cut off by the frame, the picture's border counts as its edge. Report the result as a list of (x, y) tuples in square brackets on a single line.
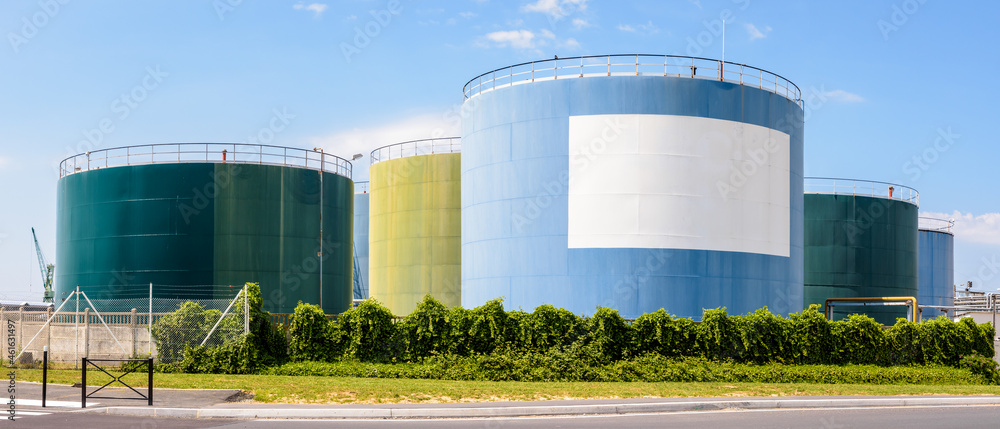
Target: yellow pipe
[(913, 299)]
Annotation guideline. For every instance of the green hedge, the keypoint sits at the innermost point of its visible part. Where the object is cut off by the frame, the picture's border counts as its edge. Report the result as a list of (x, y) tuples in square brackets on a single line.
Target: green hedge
[(368, 333), (573, 347)]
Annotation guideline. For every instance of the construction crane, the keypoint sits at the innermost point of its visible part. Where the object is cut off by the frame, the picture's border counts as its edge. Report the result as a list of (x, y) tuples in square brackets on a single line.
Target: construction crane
[(46, 269)]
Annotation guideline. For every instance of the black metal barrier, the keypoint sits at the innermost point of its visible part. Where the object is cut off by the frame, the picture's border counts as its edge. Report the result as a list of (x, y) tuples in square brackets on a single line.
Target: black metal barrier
[(83, 389)]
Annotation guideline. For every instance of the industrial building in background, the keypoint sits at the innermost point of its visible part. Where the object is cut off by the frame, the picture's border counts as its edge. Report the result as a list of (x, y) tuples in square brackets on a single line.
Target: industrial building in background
[(936, 272), (361, 240), (415, 230), (192, 219), (634, 182), (861, 242)]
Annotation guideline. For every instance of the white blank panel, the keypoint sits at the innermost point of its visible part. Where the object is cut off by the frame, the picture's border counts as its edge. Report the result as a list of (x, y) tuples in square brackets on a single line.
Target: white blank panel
[(678, 182)]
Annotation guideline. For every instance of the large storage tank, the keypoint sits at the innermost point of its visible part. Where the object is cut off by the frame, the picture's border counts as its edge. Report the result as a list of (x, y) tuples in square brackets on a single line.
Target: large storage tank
[(193, 218), (936, 275), (415, 229), (633, 182), (361, 240), (861, 242)]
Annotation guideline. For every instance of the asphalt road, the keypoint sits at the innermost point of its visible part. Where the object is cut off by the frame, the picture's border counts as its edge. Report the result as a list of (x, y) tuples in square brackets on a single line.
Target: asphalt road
[(970, 417)]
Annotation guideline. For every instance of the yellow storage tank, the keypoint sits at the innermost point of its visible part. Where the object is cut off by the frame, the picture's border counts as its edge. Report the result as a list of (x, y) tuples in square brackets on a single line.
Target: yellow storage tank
[(415, 226)]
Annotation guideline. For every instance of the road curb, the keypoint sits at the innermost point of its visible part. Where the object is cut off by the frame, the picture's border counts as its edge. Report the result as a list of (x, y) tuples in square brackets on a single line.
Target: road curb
[(500, 410)]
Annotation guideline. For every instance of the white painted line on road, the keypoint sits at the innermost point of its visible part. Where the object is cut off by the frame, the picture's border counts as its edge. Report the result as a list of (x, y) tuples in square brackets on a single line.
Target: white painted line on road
[(38, 403), (610, 416)]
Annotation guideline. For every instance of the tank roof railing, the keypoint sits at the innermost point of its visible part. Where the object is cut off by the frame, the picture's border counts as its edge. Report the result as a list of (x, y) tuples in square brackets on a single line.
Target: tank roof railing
[(234, 153), (935, 224), (417, 147), (632, 65), (865, 188), (361, 187)]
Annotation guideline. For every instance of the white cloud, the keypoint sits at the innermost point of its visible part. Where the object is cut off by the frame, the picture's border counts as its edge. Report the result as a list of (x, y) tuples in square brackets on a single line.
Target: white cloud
[(345, 143), (647, 28), (756, 33), (556, 9), (843, 96), (570, 43), (468, 15), (351, 18), (316, 8), (984, 228), (517, 39), (580, 24), (547, 34), (696, 3)]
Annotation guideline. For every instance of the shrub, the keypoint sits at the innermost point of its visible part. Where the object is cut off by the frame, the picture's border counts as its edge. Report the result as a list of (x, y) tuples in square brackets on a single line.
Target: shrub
[(981, 366), (311, 334), (427, 330), (262, 347), (717, 335), (546, 327), (187, 325), (659, 332), (810, 340), (367, 332), (610, 334), (860, 340)]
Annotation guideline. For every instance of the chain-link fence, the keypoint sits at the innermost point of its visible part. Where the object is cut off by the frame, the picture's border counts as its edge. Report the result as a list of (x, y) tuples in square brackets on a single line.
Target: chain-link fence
[(123, 328)]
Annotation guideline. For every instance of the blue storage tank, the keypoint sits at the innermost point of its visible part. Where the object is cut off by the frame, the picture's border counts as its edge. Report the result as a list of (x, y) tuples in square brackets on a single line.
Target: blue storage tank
[(936, 274), (633, 182), (361, 240)]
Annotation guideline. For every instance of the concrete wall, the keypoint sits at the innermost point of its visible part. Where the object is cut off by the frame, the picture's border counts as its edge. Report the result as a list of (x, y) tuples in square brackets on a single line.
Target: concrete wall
[(68, 342)]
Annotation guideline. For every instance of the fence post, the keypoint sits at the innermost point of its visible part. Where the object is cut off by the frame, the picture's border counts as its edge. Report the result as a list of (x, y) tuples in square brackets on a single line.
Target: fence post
[(132, 328), (149, 363), (83, 384), (48, 333), (20, 324), (86, 332)]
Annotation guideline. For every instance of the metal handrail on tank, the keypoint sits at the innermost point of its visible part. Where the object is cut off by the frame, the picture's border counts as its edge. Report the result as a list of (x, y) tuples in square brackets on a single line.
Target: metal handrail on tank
[(935, 224), (632, 65), (866, 188), (361, 187), (235, 153), (417, 147)]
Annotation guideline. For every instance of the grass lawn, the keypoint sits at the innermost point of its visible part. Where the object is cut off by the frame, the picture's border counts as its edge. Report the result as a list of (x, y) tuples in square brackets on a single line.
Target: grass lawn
[(348, 390)]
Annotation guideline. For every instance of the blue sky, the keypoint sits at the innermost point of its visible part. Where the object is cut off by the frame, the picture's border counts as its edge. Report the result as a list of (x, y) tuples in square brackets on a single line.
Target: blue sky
[(882, 81)]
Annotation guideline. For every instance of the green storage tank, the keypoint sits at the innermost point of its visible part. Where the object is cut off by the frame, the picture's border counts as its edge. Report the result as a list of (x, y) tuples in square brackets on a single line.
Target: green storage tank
[(860, 242), (415, 224), (198, 220)]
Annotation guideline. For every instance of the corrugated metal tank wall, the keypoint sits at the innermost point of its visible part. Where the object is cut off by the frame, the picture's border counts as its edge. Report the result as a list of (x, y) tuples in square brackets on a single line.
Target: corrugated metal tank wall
[(414, 247), (361, 199), (860, 246), (937, 271), (195, 225), (626, 192)]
